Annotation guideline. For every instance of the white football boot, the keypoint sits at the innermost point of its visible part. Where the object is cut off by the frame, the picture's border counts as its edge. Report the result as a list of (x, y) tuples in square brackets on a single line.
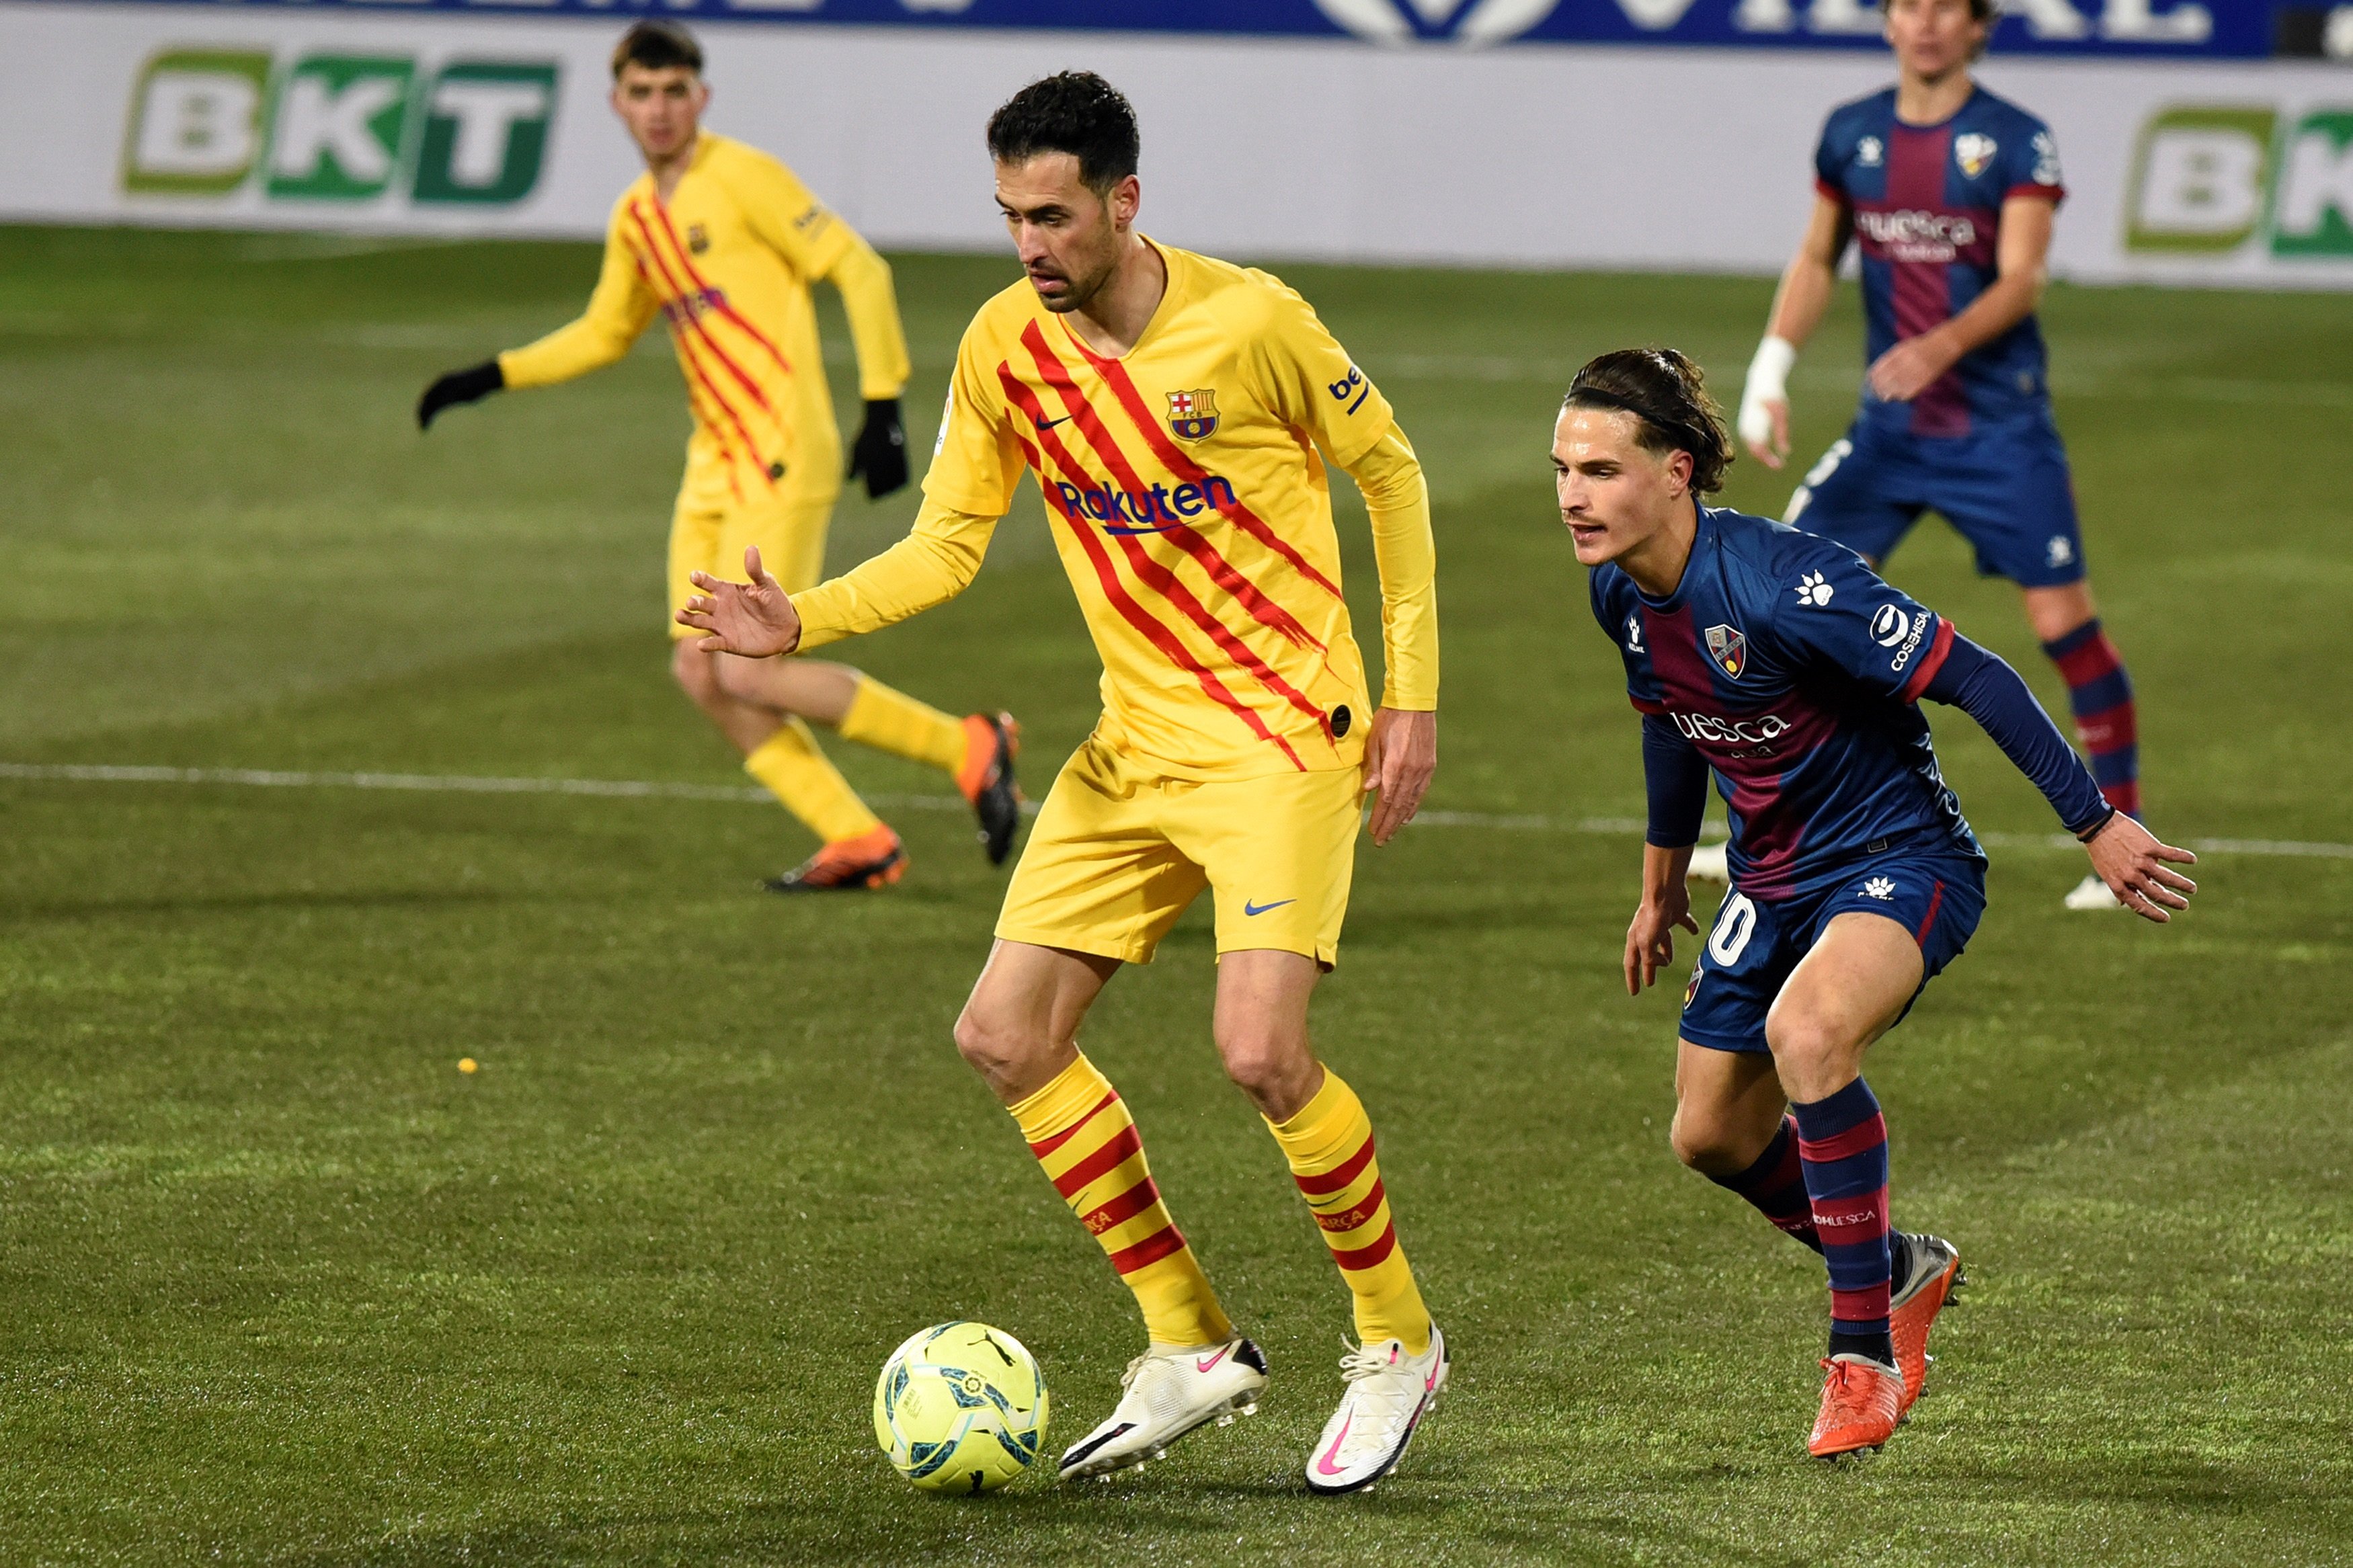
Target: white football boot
[(1169, 1392), (1388, 1394), (2091, 893), (1710, 863)]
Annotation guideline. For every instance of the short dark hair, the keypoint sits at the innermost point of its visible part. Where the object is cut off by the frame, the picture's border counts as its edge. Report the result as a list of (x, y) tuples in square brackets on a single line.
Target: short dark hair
[(657, 46), (1076, 112), (1667, 395)]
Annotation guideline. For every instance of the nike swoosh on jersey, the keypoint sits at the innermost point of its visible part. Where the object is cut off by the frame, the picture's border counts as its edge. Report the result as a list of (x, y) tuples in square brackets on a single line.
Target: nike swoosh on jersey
[(1045, 424), (1251, 909)]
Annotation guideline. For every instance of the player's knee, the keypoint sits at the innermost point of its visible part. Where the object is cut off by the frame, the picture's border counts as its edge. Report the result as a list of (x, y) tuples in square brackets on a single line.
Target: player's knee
[(740, 679), (1708, 1141), (993, 1044), (1805, 1044), (1268, 1065)]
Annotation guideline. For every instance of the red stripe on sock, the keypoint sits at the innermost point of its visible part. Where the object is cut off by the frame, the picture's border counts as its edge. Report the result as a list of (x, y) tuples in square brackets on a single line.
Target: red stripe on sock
[(1859, 1306), (1358, 1213), (2086, 664), (1334, 1180), (1047, 1146), (2111, 729), (1160, 1244), (1125, 1206), (1123, 1146), (1854, 1141), (1843, 1222), (1365, 1256)]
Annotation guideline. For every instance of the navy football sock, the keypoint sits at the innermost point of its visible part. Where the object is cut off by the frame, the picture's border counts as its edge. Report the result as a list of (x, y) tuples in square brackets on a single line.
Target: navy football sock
[(1776, 1184), (1842, 1145)]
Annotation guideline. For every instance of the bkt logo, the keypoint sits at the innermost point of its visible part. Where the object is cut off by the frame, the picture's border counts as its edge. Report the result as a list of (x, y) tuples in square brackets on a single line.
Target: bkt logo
[(338, 127), (2211, 179)]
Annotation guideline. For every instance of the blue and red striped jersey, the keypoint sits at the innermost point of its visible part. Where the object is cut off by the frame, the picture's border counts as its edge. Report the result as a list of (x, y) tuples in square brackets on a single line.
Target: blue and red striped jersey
[(1793, 671), (1926, 205)]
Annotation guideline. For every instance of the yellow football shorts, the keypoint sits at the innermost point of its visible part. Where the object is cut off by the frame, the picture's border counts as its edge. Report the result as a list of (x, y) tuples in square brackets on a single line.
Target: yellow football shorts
[(789, 533), (1117, 853)]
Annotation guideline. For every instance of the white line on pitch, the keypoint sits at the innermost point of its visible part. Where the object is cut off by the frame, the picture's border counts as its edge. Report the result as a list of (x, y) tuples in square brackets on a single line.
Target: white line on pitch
[(474, 784)]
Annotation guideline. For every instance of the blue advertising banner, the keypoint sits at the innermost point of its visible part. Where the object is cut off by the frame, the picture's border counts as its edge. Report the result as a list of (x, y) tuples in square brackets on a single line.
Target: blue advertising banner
[(2206, 29)]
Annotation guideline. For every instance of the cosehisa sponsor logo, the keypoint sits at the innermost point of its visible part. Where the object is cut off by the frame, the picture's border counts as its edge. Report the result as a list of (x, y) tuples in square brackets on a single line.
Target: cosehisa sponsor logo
[(2212, 178), (339, 127)]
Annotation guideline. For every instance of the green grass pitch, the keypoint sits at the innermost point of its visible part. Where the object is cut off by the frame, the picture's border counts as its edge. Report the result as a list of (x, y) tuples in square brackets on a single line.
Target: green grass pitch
[(283, 1287)]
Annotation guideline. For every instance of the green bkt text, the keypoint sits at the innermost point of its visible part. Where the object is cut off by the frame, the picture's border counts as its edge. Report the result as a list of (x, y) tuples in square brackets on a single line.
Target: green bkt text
[(338, 127), (2210, 178)]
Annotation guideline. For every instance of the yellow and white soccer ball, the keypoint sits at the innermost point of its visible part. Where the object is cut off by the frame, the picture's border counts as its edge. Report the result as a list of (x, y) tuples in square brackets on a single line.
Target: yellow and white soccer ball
[(960, 1407)]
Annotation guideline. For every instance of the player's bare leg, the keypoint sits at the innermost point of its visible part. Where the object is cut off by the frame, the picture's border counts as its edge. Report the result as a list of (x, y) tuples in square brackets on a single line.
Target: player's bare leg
[(1019, 1031), (1399, 1368), (1849, 990), (746, 700)]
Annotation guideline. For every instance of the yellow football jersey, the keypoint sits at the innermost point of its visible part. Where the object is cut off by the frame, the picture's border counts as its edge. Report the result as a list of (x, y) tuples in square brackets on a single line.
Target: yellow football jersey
[(727, 262), (1192, 509)]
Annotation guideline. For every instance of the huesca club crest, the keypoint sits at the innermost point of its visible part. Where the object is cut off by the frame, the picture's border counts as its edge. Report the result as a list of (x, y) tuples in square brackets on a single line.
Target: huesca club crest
[(1193, 415), (1729, 649)]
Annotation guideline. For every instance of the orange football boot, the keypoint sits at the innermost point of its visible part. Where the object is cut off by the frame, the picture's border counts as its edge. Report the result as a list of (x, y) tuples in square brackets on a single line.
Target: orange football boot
[(874, 859), (1862, 1407), (1935, 1275), (986, 781)]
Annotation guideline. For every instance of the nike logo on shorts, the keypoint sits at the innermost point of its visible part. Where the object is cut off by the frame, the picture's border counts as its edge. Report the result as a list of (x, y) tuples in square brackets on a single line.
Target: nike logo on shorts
[(1251, 909)]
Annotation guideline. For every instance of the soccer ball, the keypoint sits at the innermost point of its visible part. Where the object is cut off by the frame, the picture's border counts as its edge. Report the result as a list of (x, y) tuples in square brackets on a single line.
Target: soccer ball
[(960, 1407)]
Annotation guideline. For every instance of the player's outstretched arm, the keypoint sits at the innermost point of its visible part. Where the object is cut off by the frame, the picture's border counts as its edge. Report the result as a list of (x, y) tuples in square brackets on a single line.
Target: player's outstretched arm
[(754, 618), (1803, 298), (2136, 865)]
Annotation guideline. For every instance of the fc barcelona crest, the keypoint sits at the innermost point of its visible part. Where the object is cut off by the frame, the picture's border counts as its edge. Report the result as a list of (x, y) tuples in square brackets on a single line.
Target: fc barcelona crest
[(1729, 649), (1193, 415), (697, 240)]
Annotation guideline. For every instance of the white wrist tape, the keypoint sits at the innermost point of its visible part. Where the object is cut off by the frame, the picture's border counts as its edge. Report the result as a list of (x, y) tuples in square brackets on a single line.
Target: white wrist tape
[(1768, 382)]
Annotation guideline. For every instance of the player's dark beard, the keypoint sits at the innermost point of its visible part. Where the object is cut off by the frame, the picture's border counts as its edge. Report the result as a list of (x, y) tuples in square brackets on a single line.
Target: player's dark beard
[(1080, 291)]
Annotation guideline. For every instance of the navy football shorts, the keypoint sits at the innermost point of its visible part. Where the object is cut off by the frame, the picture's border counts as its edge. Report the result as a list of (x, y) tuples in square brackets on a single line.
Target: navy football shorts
[(1754, 944), (2005, 487)]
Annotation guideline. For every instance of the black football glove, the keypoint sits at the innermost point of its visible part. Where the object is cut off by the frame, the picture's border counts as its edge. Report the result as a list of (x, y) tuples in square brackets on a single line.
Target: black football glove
[(881, 452), (468, 385)]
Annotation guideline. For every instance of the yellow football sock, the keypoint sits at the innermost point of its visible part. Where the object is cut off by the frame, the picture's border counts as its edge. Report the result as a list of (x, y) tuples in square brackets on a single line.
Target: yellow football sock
[(1329, 1144), (811, 789), (893, 722), (1079, 1129)]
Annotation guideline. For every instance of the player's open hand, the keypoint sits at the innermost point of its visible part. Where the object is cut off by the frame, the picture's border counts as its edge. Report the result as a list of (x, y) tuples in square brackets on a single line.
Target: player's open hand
[(755, 620), (1400, 755), (1651, 939), (2133, 862), (1765, 430), (1909, 369)]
